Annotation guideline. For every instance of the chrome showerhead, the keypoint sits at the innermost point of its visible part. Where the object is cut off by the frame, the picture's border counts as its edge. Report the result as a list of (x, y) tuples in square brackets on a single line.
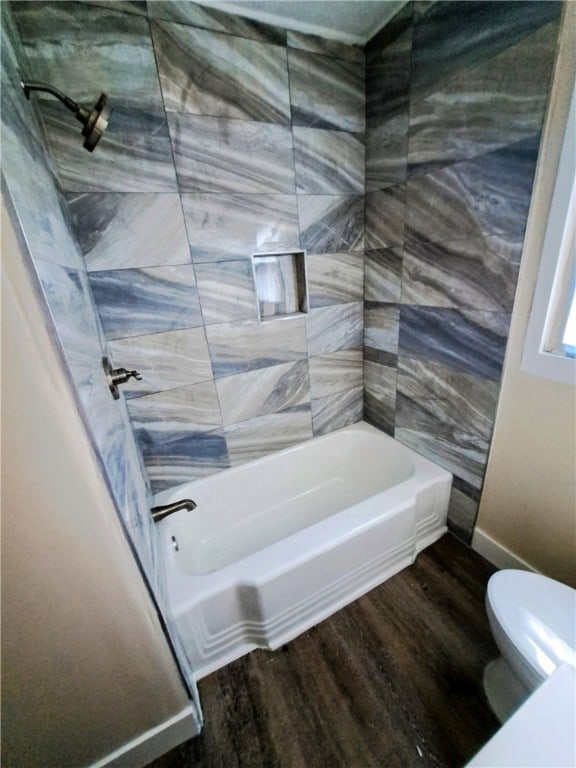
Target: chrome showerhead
[(95, 120)]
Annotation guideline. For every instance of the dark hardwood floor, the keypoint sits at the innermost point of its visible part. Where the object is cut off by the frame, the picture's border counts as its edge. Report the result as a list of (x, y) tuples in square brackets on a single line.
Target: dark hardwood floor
[(392, 680)]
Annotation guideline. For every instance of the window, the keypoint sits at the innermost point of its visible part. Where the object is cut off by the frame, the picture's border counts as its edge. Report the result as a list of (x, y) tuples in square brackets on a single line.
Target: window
[(550, 344)]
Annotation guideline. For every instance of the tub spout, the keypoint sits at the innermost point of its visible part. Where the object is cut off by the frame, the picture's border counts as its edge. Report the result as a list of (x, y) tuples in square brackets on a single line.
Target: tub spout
[(159, 513)]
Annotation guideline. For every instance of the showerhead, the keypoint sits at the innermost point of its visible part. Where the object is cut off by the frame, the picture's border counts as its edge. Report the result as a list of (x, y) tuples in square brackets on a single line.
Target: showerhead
[(95, 120)]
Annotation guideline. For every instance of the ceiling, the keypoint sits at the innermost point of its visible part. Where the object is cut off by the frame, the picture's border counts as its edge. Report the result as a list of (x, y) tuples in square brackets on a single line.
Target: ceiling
[(351, 21)]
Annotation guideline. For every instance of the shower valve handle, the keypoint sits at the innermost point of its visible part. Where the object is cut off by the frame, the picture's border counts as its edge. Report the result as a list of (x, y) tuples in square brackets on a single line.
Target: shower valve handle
[(115, 376)]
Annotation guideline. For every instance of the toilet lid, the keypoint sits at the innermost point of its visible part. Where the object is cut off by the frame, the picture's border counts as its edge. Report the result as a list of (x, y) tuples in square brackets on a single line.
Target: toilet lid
[(538, 615)]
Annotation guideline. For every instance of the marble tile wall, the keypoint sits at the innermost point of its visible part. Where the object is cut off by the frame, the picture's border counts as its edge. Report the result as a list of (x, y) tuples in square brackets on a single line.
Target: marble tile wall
[(455, 95), (228, 138)]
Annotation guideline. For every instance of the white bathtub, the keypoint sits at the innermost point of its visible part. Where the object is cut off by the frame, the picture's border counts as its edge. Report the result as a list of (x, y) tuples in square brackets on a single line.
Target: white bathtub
[(279, 544)]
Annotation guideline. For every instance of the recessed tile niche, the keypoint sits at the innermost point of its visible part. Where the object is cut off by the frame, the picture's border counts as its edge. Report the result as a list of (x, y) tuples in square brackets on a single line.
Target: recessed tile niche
[(280, 280)]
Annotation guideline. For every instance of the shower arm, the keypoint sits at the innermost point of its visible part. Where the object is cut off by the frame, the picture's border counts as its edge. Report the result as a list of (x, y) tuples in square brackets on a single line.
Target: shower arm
[(80, 112)]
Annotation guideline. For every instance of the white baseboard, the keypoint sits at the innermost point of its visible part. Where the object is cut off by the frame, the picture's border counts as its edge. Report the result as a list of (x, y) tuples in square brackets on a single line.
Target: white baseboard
[(497, 554), (153, 743)]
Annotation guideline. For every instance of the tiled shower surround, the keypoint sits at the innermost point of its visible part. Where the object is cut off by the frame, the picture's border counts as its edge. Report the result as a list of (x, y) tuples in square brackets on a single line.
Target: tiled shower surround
[(455, 96), (228, 138), (231, 138)]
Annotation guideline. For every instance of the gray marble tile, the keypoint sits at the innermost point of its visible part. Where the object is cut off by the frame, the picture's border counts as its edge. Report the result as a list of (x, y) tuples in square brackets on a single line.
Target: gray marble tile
[(337, 411), (234, 226), (388, 67), (482, 196), (385, 214), (267, 434), (498, 102), (267, 390), (61, 38), (134, 302), (328, 162), (334, 48), (134, 154), (248, 345), (383, 275), (27, 175), (381, 326), (185, 12), (330, 329), (165, 360), (126, 6), (116, 231), (208, 73), (373, 355), (326, 92), (221, 155), (465, 455), (435, 398), (335, 278), (330, 223), (193, 408), (468, 341), (454, 36), (479, 273), (380, 396), (463, 509), (386, 151), (174, 458), (335, 372), (226, 290)]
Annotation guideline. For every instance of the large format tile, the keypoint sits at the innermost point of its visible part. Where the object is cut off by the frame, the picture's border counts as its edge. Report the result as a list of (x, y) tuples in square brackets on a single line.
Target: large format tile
[(174, 458), (85, 50), (165, 360), (334, 48), (435, 398), (337, 411), (331, 223), (193, 408), (133, 155), (462, 453), (226, 291), (380, 395), (134, 302), (333, 328), (186, 12), (207, 73), (388, 67), (498, 102), (476, 274), (248, 345), (463, 509), (116, 231), (235, 226), (385, 213), (468, 341), (482, 196), (335, 278), (222, 155), (386, 151), (266, 434), (326, 92), (383, 275), (335, 372), (267, 390), (381, 323), (328, 162), (477, 31)]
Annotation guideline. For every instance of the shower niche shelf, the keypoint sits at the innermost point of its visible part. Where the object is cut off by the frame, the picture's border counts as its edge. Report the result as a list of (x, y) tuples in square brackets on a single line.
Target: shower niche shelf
[(281, 285)]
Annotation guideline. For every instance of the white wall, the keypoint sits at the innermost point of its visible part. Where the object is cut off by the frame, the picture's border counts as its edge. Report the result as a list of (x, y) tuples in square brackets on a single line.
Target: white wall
[(85, 665), (528, 504)]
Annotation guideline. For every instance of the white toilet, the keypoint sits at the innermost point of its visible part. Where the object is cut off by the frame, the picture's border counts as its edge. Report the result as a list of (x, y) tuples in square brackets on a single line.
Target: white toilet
[(533, 620)]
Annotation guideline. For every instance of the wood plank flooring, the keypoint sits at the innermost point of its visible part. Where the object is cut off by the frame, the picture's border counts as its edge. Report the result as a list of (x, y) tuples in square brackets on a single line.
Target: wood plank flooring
[(392, 681)]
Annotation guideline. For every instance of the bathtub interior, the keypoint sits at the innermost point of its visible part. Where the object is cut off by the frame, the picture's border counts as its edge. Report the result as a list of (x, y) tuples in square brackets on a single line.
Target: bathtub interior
[(258, 504)]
